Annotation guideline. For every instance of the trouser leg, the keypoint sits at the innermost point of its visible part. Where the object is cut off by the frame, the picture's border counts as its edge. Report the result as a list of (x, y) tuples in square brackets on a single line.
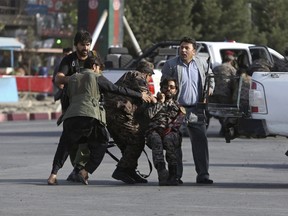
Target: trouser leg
[(68, 138), (97, 144), (82, 155), (134, 147), (155, 141), (197, 134), (170, 141), (179, 156), (61, 155)]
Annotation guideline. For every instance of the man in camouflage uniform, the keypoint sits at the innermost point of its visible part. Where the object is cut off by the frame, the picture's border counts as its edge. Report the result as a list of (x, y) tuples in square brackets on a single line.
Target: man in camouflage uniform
[(122, 125), (166, 117), (225, 75), (230, 124)]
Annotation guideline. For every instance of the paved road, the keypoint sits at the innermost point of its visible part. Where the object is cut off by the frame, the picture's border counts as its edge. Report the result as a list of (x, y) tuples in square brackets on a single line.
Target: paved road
[(250, 179)]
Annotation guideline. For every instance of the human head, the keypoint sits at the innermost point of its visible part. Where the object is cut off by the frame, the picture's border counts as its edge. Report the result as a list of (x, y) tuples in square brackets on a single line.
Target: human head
[(82, 42), (82, 37), (228, 58), (146, 68), (94, 62), (169, 87), (187, 50)]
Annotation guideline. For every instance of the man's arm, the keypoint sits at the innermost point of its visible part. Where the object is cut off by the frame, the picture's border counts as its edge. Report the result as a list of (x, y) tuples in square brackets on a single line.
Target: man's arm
[(107, 86), (61, 79)]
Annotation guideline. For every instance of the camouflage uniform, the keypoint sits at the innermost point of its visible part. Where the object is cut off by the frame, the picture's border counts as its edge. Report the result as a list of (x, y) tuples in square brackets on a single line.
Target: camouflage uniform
[(85, 118), (225, 75), (121, 123), (163, 133), (257, 65), (223, 92), (244, 94)]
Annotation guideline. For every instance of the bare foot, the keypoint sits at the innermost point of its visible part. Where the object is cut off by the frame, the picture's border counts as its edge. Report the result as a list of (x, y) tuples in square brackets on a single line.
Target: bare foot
[(52, 180), (83, 176)]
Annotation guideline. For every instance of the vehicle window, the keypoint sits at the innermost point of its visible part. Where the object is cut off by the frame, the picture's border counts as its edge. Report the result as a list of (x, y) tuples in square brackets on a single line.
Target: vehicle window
[(241, 57), (260, 52)]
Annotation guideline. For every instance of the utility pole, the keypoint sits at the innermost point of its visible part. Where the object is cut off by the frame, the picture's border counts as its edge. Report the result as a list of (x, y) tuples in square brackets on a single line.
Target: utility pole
[(92, 13)]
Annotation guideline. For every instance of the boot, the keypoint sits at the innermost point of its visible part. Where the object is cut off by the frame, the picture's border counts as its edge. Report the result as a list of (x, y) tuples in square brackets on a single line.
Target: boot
[(162, 173), (122, 174), (172, 180), (135, 176)]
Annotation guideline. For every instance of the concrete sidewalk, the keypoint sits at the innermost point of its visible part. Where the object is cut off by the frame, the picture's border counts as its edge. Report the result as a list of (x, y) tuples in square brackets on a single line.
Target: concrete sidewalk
[(250, 179)]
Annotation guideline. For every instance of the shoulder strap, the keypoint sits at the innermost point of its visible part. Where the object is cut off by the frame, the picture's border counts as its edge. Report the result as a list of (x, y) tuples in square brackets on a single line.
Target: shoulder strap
[(112, 144)]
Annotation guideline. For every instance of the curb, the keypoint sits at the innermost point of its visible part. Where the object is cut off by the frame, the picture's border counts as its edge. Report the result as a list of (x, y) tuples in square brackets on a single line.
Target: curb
[(29, 116)]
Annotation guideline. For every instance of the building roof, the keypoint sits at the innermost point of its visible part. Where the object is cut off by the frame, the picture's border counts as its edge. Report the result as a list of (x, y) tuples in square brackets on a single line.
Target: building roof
[(10, 43)]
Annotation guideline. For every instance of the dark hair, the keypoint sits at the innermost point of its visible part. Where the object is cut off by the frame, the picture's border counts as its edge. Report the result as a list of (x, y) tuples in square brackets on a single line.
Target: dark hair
[(82, 37), (145, 67), (165, 82), (189, 40), (91, 60), (67, 50)]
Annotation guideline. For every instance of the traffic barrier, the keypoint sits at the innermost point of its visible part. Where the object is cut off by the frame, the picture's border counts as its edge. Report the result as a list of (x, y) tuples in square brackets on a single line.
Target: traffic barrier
[(8, 89), (55, 115), (3, 117), (29, 116), (39, 116), (40, 84), (17, 117)]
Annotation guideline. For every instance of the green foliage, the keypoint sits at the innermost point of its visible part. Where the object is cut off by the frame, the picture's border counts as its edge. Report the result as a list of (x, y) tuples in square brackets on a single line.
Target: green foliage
[(153, 21), (270, 17), (70, 8), (250, 21)]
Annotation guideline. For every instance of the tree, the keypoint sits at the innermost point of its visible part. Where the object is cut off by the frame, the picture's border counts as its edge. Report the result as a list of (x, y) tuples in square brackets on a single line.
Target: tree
[(220, 20), (205, 17), (249, 21), (153, 21), (270, 17)]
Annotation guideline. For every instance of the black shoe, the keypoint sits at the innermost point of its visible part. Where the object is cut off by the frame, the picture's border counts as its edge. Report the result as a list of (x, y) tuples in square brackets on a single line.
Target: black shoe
[(136, 177), (172, 181), (180, 182), (122, 175), (73, 176), (204, 181)]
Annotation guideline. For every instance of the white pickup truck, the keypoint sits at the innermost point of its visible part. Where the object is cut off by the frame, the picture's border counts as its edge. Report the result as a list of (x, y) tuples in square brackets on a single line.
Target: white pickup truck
[(267, 97), (268, 101)]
